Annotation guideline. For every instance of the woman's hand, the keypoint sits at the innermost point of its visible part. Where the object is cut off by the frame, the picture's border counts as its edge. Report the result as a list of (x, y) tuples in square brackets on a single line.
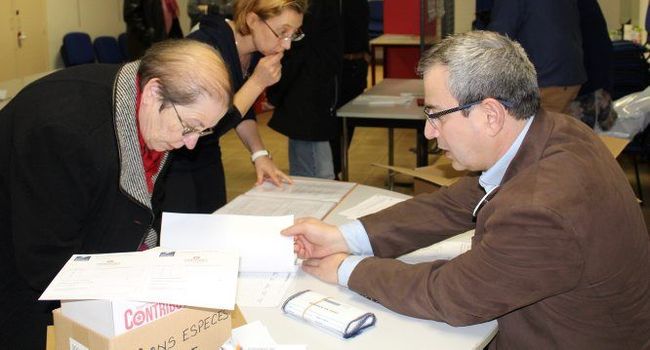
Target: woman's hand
[(267, 171), (268, 70)]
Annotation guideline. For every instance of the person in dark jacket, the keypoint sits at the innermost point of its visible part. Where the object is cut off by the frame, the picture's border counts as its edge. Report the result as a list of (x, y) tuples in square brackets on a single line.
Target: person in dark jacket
[(252, 45), (305, 99), (82, 152), (148, 22), (594, 102), (549, 31), (355, 16)]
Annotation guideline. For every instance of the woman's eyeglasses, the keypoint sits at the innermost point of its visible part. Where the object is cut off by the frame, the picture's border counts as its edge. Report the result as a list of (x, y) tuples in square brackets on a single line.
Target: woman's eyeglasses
[(295, 36), (187, 130)]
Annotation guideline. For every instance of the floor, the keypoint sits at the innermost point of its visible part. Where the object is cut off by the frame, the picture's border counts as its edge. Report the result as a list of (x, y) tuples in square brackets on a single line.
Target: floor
[(368, 146)]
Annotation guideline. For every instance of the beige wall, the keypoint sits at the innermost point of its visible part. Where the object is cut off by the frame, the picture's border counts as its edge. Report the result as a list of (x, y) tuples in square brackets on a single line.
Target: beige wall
[(620, 11), (95, 17), (464, 15)]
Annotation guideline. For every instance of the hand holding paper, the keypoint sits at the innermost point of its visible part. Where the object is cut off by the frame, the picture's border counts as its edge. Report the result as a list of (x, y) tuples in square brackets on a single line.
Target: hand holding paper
[(316, 239)]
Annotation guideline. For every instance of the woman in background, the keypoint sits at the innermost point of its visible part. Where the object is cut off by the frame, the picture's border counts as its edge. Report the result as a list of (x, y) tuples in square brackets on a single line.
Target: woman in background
[(252, 45)]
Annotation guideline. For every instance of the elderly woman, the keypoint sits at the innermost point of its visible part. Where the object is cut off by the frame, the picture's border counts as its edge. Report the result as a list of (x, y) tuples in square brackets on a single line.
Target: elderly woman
[(252, 44), (81, 153)]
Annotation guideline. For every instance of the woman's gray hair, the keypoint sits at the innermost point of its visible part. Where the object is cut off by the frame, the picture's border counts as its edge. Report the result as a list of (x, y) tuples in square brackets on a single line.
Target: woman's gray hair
[(485, 64)]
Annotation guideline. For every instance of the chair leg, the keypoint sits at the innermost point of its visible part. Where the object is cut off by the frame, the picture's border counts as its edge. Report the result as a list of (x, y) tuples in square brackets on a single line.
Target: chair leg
[(638, 179)]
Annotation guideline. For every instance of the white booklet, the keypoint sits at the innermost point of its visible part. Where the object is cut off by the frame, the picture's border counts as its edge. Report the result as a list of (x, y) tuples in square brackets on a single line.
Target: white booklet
[(328, 314), (160, 276), (256, 239)]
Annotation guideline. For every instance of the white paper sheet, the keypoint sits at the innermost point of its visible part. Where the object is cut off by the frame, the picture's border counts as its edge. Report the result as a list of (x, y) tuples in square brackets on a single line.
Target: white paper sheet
[(263, 205), (371, 205), (263, 289), (257, 239), (255, 336), (329, 191), (382, 100), (171, 277)]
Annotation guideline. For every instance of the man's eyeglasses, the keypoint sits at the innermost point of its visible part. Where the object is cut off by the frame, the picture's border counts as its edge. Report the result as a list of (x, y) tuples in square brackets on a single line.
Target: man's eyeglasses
[(295, 36), (187, 130), (434, 117)]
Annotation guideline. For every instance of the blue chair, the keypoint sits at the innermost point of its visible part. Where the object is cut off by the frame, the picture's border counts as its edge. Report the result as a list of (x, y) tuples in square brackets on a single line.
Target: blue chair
[(376, 20), (124, 48), (77, 49), (107, 50)]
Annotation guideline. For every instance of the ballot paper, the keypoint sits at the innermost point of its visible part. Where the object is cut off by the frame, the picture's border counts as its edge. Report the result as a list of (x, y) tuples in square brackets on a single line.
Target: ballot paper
[(264, 205), (321, 190), (382, 100), (370, 206), (256, 239), (262, 289), (160, 276), (328, 314), (255, 336)]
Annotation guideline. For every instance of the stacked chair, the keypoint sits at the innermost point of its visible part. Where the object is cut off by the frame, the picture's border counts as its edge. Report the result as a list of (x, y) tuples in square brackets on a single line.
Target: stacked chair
[(77, 49)]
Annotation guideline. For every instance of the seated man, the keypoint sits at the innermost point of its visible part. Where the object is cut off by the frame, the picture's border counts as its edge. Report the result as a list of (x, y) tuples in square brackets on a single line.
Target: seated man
[(560, 256), (82, 152)]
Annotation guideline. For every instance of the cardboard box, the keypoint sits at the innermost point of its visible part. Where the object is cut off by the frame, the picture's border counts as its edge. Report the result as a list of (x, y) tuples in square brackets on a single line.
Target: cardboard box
[(112, 318), (441, 174), (185, 329)]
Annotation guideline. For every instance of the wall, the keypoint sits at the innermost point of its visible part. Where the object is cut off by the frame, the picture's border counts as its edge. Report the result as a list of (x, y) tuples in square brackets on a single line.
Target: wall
[(95, 17), (464, 15)]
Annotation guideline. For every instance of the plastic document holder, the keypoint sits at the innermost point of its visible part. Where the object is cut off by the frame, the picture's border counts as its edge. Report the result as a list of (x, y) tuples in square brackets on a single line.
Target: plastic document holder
[(328, 314)]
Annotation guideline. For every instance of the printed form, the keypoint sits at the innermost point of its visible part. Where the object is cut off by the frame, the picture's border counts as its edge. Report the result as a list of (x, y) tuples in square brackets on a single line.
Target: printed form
[(160, 276), (322, 190)]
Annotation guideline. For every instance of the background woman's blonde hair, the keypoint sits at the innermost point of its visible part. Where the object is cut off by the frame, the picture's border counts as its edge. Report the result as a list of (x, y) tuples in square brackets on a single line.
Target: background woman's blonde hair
[(265, 9), (187, 69)]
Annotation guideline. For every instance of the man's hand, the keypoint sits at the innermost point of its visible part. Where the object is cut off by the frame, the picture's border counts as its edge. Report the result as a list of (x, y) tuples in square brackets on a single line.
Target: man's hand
[(325, 269), (268, 70), (266, 170), (315, 239)]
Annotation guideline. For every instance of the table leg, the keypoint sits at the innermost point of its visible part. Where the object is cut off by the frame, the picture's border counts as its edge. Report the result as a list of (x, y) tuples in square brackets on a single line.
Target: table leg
[(391, 159), (421, 149), (373, 63), (344, 151)]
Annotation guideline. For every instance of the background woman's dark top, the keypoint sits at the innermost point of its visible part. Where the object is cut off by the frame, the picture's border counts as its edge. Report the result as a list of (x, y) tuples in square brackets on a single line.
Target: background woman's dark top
[(196, 182)]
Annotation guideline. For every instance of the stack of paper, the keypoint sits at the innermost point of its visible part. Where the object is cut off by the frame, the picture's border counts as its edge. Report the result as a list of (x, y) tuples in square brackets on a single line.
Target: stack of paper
[(171, 277), (380, 100), (303, 198), (370, 206), (267, 263), (256, 239)]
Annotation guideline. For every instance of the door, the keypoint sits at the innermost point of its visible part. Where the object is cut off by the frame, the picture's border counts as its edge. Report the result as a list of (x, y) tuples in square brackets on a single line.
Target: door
[(23, 38)]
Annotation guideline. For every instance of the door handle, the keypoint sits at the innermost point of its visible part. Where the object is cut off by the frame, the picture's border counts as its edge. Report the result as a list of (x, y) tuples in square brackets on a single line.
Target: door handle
[(21, 37)]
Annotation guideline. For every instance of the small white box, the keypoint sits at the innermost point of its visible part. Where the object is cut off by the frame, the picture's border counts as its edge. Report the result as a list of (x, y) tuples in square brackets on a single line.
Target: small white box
[(112, 318)]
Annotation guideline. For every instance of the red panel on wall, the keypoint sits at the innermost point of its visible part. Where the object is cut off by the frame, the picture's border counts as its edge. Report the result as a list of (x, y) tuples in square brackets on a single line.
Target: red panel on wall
[(402, 16), (401, 62)]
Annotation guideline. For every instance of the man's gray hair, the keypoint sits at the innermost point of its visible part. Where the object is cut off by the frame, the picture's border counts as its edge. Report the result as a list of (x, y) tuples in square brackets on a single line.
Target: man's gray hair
[(486, 64)]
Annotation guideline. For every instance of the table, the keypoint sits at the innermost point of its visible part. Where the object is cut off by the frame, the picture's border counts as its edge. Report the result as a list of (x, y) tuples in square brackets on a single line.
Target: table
[(395, 116), (392, 331), (387, 40)]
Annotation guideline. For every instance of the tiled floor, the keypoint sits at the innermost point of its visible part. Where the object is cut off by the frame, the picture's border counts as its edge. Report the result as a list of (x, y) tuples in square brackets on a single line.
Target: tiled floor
[(368, 146)]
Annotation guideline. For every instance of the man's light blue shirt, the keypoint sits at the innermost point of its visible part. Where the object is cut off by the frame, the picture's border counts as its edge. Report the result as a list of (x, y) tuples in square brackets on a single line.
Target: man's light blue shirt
[(355, 234)]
